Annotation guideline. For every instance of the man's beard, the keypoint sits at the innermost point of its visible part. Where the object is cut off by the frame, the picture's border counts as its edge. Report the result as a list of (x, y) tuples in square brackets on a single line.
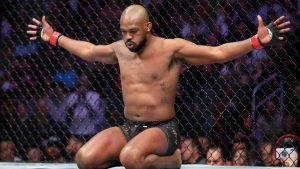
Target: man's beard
[(139, 47)]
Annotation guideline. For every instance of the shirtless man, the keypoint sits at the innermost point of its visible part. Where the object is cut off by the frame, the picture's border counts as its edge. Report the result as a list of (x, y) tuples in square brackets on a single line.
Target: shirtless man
[(150, 68)]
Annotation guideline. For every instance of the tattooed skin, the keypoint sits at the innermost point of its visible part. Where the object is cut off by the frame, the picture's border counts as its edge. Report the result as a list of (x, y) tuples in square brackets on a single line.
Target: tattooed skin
[(148, 83), (122, 55), (163, 86)]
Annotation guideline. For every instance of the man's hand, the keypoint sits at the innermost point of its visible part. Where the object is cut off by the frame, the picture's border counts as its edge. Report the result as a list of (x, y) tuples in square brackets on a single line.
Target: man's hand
[(40, 30), (272, 33)]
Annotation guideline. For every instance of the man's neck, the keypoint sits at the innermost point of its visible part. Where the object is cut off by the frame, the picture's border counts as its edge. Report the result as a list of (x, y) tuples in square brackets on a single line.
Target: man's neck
[(147, 47)]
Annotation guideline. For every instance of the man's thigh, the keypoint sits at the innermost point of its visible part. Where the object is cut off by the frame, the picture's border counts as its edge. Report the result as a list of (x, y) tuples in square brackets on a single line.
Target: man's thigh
[(106, 145), (150, 141)]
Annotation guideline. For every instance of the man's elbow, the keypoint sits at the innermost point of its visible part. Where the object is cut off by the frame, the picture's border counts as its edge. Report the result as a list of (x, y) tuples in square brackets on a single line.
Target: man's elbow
[(88, 54), (221, 56)]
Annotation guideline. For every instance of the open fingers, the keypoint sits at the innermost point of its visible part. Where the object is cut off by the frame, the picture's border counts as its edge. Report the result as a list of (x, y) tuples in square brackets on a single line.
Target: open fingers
[(280, 38), (282, 25), (279, 20), (32, 26), (32, 32), (284, 30), (33, 38), (37, 22)]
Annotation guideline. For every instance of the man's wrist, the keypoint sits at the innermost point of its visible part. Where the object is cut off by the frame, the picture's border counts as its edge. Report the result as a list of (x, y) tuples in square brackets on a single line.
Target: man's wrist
[(256, 44), (55, 36)]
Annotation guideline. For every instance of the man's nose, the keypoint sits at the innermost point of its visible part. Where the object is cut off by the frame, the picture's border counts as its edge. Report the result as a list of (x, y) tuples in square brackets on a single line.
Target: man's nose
[(128, 36)]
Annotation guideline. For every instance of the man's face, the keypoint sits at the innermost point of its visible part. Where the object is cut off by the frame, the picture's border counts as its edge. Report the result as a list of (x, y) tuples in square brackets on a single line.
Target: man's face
[(214, 157), (134, 35), (248, 123), (53, 151), (238, 146), (73, 145), (7, 151), (267, 154), (34, 155), (240, 158), (205, 143), (186, 149)]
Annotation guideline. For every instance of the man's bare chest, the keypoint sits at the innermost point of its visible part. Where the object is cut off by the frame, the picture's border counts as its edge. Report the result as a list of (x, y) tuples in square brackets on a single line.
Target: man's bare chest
[(146, 70), (153, 65)]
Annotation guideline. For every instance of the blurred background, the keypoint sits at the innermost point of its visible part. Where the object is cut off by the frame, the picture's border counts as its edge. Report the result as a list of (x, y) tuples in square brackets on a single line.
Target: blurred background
[(52, 102)]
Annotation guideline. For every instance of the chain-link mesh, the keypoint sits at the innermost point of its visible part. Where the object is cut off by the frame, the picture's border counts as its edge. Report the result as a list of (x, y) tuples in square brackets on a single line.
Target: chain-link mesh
[(50, 98)]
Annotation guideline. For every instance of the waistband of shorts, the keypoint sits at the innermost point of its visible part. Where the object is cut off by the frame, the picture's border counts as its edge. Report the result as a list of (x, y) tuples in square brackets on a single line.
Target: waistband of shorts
[(155, 123)]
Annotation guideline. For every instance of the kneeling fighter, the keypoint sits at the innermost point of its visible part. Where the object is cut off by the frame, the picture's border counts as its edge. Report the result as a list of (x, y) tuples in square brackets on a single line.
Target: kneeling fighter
[(150, 68)]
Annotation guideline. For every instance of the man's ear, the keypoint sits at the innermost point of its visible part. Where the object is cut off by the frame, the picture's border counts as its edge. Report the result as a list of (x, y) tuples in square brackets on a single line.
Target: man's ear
[(148, 26)]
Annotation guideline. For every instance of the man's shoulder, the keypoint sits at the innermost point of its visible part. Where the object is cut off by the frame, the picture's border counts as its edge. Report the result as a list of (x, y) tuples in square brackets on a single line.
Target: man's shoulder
[(119, 46), (173, 40), (176, 41), (118, 43)]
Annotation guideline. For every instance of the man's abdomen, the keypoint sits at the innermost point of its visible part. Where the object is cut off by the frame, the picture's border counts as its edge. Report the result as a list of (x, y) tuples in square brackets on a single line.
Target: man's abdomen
[(148, 107)]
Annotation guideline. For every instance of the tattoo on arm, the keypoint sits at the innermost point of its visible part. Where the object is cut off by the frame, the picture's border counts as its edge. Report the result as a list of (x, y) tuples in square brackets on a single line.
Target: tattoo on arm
[(122, 54)]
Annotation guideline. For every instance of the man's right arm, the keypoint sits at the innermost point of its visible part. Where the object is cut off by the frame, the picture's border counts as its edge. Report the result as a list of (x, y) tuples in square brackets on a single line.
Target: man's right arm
[(85, 50), (88, 51)]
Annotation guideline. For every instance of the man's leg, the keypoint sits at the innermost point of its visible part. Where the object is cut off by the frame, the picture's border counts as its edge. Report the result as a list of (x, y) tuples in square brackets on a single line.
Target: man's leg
[(101, 150), (148, 150), (173, 161)]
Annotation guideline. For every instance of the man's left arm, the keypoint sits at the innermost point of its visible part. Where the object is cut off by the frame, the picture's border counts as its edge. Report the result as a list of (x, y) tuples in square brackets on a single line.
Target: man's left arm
[(266, 36)]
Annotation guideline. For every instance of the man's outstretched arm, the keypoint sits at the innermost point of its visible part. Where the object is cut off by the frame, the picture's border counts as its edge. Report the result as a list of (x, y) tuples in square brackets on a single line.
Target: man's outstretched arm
[(83, 49), (199, 54)]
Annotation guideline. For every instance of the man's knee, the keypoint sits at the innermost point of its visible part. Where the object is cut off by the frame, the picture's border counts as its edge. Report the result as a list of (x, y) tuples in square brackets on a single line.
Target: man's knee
[(131, 157), (84, 160)]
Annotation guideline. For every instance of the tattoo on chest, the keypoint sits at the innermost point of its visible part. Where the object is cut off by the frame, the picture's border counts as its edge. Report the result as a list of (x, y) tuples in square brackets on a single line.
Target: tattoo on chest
[(163, 86)]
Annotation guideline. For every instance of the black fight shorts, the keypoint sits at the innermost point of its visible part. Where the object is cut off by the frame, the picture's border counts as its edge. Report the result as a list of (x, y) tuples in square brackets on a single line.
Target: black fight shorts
[(170, 128)]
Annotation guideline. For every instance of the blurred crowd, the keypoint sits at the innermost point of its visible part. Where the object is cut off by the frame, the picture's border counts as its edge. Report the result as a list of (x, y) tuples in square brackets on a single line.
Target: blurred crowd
[(52, 102)]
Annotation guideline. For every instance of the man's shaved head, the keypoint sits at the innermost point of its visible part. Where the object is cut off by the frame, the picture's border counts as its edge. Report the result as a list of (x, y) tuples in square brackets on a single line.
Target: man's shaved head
[(135, 13), (135, 27)]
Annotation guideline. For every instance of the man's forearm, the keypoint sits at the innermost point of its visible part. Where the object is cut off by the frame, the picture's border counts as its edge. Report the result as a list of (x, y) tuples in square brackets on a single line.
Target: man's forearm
[(76, 47), (233, 50)]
